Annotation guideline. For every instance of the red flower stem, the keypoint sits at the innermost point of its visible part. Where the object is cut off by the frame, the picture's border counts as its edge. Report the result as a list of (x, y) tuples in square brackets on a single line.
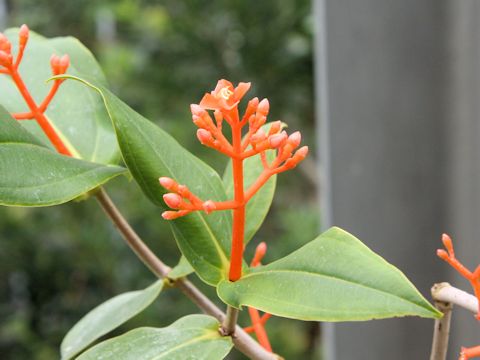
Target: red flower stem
[(38, 114), (259, 329), (238, 229), (261, 180), (53, 90), (468, 353), (22, 116)]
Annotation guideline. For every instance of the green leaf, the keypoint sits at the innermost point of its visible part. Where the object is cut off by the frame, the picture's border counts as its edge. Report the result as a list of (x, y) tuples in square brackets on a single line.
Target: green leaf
[(191, 337), (106, 317), (33, 175), (76, 113), (259, 204), (149, 152), (182, 269), (333, 278)]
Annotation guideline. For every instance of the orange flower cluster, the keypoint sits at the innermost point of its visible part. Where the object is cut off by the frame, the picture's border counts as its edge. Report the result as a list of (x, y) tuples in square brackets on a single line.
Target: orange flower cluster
[(59, 66), (224, 101), (472, 277)]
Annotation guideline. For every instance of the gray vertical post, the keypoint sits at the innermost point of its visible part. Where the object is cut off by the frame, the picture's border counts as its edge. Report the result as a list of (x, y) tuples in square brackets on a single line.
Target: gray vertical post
[(463, 141), (385, 106), (323, 147)]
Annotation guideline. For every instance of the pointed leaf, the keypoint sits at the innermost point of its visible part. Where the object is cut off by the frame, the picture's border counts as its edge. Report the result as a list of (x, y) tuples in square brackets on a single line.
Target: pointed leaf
[(77, 114), (149, 152), (182, 269), (106, 317), (191, 337), (33, 175), (333, 278), (259, 204)]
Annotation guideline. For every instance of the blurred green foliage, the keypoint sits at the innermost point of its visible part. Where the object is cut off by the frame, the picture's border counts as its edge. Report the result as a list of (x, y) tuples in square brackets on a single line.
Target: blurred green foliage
[(159, 56)]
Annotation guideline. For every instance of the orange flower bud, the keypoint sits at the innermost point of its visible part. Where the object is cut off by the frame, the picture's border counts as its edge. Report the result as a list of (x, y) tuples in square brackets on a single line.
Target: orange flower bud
[(263, 107), (64, 63), (442, 254), (23, 35), (5, 59), (168, 183), (301, 153), (260, 252), (277, 140), (447, 242), (275, 127), (170, 215), (197, 110), (204, 136), (258, 136), (295, 139), (5, 44), (173, 200)]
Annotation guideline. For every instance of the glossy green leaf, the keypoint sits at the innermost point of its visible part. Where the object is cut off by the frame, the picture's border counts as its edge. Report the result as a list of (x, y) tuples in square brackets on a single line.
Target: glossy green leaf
[(333, 278), (78, 114), (33, 175), (191, 337), (149, 152), (182, 269), (259, 204), (106, 317)]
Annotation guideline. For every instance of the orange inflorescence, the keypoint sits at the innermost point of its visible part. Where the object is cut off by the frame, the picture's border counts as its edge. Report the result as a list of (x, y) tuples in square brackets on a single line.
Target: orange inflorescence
[(258, 322), (10, 66), (472, 277), (224, 100)]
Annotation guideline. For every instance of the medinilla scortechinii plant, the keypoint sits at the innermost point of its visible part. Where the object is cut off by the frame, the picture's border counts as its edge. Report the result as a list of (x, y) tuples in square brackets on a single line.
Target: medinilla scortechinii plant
[(63, 140)]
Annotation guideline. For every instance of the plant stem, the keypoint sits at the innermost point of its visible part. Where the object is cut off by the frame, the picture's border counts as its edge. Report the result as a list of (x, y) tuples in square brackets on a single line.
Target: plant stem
[(446, 293), (238, 228), (242, 341), (142, 251), (441, 331), (230, 321)]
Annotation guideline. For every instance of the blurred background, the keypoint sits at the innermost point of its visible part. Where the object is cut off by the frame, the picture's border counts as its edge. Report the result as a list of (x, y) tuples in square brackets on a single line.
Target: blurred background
[(393, 119)]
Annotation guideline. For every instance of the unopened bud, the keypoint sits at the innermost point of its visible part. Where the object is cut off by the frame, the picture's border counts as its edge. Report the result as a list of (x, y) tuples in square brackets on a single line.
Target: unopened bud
[(197, 110), (172, 200), (5, 59), (442, 254), (63, 64), (170, 215), (251, 107), (277, 140), (258, 136), (263, 107), (209, 206), (168, 183), (204, 136), (260, 252), (55, 64), (301, 154), (260, 120), (295, 139), (197, 120), (275, 127), (447, 242), (5, 44), (23, 35)]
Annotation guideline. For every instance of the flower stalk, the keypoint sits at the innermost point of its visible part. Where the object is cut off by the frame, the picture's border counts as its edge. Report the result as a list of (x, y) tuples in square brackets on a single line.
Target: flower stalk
[(9, 67), (448, 255), (223, 101)]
